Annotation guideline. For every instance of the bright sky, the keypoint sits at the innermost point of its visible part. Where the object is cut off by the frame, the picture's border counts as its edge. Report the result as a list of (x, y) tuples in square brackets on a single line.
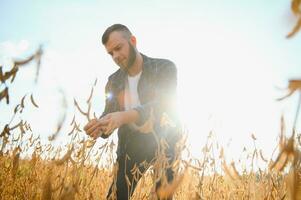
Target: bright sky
[(231, 55)]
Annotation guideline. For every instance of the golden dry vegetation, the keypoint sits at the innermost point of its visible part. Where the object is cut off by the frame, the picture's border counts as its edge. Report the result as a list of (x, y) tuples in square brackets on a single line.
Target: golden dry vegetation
[(83, 171), (32, 169)]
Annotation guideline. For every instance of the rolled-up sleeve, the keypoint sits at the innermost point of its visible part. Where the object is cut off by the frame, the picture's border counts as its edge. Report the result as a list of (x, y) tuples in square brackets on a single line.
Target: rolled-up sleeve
[(110, 102)]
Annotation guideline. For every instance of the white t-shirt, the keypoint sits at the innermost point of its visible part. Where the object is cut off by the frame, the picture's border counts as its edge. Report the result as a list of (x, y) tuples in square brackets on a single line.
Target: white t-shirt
[(131, 97)]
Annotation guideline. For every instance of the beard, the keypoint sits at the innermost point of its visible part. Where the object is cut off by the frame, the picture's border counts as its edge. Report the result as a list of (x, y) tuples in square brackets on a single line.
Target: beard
[(131, 57)]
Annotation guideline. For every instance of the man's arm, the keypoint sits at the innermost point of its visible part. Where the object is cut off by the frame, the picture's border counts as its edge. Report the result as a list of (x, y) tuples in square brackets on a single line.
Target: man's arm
[(165, 97), (96, 127), (164, 102)]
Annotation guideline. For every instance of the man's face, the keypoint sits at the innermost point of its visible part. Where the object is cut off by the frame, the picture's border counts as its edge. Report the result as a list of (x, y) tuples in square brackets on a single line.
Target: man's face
[(121, 50)]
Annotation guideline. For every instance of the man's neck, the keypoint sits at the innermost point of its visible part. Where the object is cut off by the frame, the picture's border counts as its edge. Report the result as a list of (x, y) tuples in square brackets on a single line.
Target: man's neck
[(137, 65)]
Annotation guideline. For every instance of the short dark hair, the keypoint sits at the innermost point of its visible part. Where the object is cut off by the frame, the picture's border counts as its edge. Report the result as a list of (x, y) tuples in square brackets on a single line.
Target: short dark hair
[(115, 27)]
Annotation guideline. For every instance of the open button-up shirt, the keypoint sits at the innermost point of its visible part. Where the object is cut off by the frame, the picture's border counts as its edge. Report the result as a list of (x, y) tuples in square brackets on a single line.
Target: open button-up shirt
[(157, 95)]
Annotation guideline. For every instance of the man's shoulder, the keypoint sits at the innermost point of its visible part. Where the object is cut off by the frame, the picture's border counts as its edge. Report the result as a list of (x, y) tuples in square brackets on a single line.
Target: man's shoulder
[(116, 74), (159, 62)]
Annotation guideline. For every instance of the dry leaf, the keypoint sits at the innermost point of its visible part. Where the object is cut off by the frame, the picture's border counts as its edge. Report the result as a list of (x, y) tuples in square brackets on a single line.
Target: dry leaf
[(295, 29), (293, 86), (4, 94), (253, 137), (167, 191), (295, 6), (90, 97), (33, 102)]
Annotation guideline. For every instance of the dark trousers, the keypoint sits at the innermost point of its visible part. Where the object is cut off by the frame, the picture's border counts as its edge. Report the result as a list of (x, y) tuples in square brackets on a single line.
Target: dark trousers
[(139, 149), (125, 175)]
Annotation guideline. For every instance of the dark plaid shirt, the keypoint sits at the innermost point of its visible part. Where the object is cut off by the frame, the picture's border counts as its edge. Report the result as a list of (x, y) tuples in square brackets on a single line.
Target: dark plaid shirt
[(157, 93)]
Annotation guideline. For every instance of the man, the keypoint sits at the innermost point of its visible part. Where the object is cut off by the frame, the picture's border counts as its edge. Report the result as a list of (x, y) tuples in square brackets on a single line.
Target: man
[(140, 99)]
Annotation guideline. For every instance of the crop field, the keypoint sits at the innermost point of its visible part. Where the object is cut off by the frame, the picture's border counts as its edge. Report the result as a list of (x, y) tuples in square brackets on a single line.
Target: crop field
[(84, 169)]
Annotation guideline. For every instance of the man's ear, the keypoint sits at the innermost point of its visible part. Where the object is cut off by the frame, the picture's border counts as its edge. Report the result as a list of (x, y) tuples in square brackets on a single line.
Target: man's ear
[(133, 40)]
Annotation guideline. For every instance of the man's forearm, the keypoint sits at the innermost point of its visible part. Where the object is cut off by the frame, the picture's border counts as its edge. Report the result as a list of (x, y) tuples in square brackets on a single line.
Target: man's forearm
[(129, 116)]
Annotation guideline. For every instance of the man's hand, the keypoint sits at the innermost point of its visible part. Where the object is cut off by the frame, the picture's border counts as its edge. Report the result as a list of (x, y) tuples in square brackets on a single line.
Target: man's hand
[(113, 121), (95, 128), (107, 124)]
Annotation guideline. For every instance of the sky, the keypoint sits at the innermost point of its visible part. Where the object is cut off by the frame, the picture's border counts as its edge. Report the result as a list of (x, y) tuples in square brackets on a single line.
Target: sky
[(232, 57)]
